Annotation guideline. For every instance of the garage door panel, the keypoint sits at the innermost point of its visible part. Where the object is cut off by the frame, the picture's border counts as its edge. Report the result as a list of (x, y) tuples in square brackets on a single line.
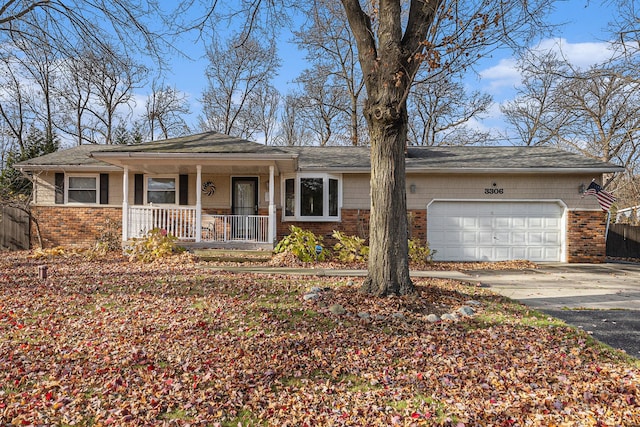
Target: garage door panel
[(519, 222), (485, 223), (470, 223), (552, 223), (502, 254), (552, 238), (469, 237), (519, 253), (536, 254), (502, 238), (519, 238), (492, 231), (485, 238), (535, 238), (485, 254), (536, 222)]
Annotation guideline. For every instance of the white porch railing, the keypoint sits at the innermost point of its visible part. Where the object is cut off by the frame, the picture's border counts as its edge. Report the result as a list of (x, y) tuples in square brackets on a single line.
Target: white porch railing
[(238, 228), (179, 221)]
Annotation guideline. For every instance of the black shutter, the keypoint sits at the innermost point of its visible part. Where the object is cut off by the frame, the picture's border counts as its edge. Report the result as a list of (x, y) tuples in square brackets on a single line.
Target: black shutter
[(138, 196), (184, 189), (59, 188), (104, 188)]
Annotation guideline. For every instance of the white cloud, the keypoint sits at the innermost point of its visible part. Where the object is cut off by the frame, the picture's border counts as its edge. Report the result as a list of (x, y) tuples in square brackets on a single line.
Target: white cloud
[(502, 75), (505, 76), (581, 55)]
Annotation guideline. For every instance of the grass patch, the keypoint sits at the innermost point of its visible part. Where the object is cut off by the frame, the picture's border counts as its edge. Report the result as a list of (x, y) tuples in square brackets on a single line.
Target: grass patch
[(424, 407), (243, 418), (176, 415)]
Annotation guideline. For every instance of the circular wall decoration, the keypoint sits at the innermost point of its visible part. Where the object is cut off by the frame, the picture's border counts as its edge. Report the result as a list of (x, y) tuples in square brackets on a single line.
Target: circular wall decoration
[(209, 188)]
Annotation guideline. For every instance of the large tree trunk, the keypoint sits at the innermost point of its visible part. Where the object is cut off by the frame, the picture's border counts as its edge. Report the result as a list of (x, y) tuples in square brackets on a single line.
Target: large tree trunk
[(388, 261), (389, 62)]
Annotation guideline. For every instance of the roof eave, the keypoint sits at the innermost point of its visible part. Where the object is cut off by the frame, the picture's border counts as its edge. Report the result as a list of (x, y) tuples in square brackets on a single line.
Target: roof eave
[(104, 155), (73, 168), (458, 170)]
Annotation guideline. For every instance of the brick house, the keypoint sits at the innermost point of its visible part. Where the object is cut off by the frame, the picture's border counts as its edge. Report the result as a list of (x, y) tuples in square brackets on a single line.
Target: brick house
[(212, 190)]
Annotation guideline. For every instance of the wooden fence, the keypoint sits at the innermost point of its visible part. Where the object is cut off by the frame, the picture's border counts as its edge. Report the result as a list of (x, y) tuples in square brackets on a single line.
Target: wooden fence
[(623, 241), (14, 228)]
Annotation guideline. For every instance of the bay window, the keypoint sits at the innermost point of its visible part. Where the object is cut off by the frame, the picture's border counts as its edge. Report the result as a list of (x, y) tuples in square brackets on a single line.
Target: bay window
[(312, 197)]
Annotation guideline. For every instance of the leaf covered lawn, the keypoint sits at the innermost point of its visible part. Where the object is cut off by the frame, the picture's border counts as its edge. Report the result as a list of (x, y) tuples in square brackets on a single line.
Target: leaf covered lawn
[(108, 342)]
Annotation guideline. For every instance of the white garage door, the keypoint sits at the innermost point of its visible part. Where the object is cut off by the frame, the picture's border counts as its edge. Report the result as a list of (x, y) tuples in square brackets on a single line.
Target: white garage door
[(495, 231)]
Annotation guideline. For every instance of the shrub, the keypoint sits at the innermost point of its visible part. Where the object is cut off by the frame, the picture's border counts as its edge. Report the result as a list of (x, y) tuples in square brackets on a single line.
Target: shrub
[(58, 251), (157, 244), (305, 245), (419, 253), (350, 248), (109, 240)]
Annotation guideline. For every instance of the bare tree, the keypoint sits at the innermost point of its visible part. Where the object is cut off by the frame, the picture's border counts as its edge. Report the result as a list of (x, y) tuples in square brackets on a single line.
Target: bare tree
[(12, 102), (266, 104), (134, 23), (74, 91), (113, 81), (625, 27), (40, 62), (331, 49), (322, 104), (237, 71), (533, 113), (291, 132), (603, 116), (595, 112), (439, 113), (166, 107)]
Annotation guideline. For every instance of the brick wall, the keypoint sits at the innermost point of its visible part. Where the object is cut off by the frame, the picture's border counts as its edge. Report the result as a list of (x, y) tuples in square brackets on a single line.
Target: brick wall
[(585, 236), (73, 226), (355, 222), (80, 226)]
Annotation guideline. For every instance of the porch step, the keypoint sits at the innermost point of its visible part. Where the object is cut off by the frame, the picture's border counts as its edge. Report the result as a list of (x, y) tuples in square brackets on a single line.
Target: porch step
[(232, 255)]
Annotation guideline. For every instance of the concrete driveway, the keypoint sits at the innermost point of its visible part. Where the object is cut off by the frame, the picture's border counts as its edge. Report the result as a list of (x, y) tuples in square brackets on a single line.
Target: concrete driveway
[(602, 299)]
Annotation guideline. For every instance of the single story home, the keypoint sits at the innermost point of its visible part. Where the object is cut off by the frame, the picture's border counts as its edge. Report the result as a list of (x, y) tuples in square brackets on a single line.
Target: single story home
[(213, 190)]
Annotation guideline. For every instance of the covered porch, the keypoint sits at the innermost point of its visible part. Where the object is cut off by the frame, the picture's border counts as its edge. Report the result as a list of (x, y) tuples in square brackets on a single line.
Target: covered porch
[(190, 223), (208, 190)]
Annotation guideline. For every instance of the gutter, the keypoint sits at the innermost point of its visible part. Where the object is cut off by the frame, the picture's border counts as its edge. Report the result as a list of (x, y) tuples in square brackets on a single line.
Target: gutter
[(495, 171), (64, 168)]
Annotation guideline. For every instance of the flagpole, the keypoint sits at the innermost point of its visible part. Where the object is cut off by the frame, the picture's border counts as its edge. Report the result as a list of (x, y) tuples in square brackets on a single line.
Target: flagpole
[(606, 231)]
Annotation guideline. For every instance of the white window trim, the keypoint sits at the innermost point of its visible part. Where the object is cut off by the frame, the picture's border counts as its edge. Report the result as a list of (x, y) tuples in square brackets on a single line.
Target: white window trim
[(325, 197), (81, 175), (176, 180)]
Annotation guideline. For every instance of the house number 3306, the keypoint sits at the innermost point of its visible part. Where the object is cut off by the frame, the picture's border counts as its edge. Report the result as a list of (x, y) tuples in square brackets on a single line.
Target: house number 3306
[(494, 191)]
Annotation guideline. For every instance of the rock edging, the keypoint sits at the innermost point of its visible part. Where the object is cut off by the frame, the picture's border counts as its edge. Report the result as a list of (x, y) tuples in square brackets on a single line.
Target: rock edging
[(316, 294)]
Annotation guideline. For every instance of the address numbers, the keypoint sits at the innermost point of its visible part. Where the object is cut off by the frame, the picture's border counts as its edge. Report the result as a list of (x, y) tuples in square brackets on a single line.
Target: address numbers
[(494, 191)]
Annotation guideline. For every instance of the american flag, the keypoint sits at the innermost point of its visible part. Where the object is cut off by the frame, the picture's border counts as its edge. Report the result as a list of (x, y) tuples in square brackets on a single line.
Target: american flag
[(604, 198)]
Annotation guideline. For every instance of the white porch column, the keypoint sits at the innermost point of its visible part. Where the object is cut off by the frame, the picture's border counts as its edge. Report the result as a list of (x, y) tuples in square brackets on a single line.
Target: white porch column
[(198, 203), (125, 205), (272, 206)]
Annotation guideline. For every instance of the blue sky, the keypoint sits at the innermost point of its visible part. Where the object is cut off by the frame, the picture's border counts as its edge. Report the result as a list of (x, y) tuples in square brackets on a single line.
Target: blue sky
[(582, 38)]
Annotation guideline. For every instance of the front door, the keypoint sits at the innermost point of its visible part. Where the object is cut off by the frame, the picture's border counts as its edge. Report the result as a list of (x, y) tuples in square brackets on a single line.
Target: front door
[(244, 204)]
